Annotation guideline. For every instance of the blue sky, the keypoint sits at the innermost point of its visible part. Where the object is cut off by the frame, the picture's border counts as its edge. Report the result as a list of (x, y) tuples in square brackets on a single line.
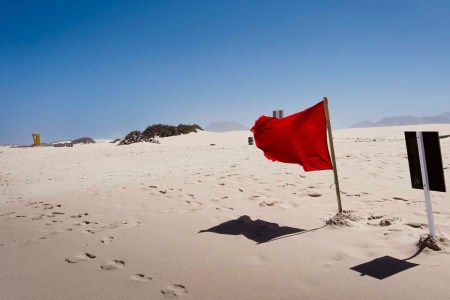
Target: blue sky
[(103, 68)]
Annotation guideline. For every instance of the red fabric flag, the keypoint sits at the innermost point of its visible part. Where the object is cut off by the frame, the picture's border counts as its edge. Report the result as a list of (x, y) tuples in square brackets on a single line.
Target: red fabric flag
[(300, 138)]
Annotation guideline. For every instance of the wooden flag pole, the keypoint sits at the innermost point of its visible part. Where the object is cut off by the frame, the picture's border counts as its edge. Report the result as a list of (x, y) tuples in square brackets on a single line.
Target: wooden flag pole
[(330, 137)]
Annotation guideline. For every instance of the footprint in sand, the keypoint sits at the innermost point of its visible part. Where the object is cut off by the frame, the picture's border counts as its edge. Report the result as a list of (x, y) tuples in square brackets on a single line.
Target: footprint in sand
[(400, 199), (79, 258), (107, 240), (174, 290), (264, 204), (141, 277), (193, 203), (48, 206), (59, 231), (254, 260), (113, 265), (53, 222), (314, 194), (7, 214), (416, 225), (89, 222), (224, 208), (79, 215)]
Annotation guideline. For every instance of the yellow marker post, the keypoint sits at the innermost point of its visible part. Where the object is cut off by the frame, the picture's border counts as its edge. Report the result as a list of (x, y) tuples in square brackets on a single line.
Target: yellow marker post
[(36, 139)]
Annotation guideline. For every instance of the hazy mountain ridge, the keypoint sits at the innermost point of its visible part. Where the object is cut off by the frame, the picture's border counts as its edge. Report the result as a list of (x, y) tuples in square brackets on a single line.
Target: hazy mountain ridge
[(404, 120), (225, 126)]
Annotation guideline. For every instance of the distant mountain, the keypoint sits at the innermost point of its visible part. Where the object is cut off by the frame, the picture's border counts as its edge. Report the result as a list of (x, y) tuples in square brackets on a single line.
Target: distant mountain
[(446, 115), (362, 124), (436, 120), (225, 126), (404, 120)]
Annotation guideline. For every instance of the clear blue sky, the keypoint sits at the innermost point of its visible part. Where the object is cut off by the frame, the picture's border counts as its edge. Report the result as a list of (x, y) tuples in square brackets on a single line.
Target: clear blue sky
[(103, 68)]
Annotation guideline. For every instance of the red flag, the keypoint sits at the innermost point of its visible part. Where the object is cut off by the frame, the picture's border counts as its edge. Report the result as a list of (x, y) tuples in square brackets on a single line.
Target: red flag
[(300, 138)]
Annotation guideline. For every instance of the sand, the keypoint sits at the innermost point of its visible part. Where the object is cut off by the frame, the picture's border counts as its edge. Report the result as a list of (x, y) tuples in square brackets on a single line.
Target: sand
[(206, 216)]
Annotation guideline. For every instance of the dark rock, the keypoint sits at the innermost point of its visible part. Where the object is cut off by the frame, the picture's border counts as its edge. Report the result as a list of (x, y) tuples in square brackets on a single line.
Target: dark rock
[(63, 145)]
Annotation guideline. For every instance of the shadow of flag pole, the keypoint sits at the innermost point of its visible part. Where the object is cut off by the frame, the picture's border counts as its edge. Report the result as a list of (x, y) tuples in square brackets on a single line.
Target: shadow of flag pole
[(333, 158)]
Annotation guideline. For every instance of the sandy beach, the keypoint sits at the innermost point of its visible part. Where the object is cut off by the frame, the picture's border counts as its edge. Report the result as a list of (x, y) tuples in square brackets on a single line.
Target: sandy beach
[(206, 216)]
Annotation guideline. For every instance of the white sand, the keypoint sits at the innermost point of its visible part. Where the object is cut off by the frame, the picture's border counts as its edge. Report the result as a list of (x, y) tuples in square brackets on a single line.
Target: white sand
[(146, 203)]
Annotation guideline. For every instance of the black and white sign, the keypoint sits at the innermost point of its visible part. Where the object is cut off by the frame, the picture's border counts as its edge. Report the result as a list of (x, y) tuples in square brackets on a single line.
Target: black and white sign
[(425, 167), (433, 160)]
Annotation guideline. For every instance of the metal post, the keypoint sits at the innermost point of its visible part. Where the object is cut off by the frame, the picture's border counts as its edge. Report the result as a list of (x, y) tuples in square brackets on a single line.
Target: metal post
[(278, 114), (426, 185)]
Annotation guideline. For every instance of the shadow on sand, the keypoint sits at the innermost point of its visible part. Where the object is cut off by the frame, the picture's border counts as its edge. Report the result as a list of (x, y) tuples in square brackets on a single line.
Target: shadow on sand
[(386, 266), (259, 231)]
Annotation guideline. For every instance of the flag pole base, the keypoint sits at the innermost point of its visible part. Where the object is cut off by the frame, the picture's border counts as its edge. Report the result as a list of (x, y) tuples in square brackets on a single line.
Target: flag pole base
[(344, 218), (428, 241)]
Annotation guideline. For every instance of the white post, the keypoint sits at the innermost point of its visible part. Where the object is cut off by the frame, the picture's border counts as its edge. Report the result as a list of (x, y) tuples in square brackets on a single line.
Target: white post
[(426, 187)]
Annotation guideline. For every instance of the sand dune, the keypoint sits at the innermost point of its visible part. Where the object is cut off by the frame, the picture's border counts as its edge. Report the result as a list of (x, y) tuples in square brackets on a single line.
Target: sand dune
[(206, 216)]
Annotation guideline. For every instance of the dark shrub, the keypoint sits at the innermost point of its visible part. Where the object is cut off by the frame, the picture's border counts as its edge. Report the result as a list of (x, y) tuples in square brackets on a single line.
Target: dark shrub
[(132, 137), (158, 130), (84, 140)]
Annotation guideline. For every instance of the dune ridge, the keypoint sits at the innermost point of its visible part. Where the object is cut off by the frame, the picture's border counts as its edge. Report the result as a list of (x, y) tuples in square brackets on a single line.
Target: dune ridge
[(206, 216)]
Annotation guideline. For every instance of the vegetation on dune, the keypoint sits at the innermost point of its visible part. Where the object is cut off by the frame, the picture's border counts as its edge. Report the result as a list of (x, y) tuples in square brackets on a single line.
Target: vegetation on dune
[(158, 130), (83, 140)]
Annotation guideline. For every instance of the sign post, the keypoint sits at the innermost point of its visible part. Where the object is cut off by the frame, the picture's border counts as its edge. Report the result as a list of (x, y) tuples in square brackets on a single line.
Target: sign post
[(36, 139), (425, 167), (425, 183)]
